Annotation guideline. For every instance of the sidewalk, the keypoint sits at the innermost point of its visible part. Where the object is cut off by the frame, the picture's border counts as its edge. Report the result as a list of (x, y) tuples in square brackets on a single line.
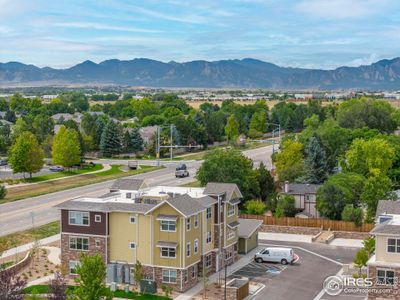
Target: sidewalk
[(285, 237), (29, 246), (243, 261)]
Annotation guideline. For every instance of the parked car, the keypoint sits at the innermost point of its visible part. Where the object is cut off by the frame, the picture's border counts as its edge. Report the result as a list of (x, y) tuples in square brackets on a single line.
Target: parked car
[(181, 171), (3, 162), (56, 169), (274, 254)]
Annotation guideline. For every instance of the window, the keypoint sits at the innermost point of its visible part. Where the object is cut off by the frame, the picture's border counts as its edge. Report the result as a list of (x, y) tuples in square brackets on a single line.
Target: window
[(196, 246), (128, 195), (231, 234), (78, 218), (385, 277), (185, 276), (132, 245), (79, 243), (208, 238), (188, 249), (169, 276), (132, 220), (228, 255), (383, 219), (168, 225), (194, 271), (231, 210), (208, 260), (209, 213), (393, 246), (196, 221), (188, 224), (97, 243), (72, 265), (97, 218), (168, 252)]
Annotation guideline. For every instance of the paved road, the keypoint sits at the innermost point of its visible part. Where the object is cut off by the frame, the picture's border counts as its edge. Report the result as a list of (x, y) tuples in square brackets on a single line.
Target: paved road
[(16, 216)]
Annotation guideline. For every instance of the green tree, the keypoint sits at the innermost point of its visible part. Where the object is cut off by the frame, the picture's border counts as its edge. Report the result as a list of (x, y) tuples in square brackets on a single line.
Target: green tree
[(361, 259), (111, 142), (369, 245), (330, 201), (43, 127), (133, 141), (285, 207), (290, 162), (258, 124), (230, 166), (377, 187), (352, 214), (138, 273), (316, 169), (266, 182), (91, 272), (66, 147), (19, 128), (364, 156), (255, 207), (232, 128), (26, 155), (145, 107), (3, 191)]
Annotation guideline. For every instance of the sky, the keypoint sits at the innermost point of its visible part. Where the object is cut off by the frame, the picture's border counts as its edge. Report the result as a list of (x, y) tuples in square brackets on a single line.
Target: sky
[(304, 33)]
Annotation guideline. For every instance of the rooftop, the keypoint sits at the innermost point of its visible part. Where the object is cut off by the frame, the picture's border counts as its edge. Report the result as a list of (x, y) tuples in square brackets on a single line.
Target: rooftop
[(388, 207), (391, 226), (301, 188)]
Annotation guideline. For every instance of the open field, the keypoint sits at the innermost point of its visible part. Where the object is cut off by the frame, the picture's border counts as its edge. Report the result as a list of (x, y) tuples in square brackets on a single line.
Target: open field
[(17, 193)]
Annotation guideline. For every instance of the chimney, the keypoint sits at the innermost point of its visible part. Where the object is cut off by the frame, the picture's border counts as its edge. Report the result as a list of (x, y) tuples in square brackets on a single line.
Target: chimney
[(286, 187)]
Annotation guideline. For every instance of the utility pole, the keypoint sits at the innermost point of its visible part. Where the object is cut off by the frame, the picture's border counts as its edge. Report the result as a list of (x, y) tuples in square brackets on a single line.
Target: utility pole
[(158, 146), (273, 141), (170, 149), (226, 271)]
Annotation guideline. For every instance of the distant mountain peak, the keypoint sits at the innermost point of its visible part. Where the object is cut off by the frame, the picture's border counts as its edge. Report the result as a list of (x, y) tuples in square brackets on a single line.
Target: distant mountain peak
[(238, 73)]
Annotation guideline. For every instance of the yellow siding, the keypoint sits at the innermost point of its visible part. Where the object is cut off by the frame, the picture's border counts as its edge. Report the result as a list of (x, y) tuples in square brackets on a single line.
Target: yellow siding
[(191, 236), (381, 250), (166, 237), (209, 227), (230, 219)]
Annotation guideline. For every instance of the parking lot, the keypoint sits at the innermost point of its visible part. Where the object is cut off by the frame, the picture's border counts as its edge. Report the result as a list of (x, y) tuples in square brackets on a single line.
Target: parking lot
[(302, 280)]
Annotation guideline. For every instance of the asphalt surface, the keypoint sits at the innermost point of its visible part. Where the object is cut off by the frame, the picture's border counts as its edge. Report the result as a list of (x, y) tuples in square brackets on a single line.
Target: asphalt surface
[(6, 172), (302, 280), (17, 216)]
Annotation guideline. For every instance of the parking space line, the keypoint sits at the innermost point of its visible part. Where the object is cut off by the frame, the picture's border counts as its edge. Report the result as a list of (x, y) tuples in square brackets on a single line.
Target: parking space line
[(306, 250)]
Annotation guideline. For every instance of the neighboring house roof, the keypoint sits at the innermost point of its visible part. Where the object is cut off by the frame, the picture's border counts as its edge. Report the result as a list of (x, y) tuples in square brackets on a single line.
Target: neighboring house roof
[(129, 184), (216, 188), (386, 228), (301, 188), (247, 227), (105, 206), (147, 132), (388, 207), (304, 213), (65, 116)]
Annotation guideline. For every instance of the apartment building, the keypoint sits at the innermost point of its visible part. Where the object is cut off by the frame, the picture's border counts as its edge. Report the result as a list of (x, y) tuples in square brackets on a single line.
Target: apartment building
[(176, 233), (384, 266)]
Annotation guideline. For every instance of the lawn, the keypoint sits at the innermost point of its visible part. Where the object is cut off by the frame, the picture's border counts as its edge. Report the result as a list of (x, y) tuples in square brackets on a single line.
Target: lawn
[(193, 184), (44, 289), (85, 169), (22, 192), (30, 235)]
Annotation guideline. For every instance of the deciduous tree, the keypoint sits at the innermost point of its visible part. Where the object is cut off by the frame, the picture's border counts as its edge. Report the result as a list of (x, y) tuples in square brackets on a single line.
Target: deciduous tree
[(66, 148), (232, 128), (290, 162)]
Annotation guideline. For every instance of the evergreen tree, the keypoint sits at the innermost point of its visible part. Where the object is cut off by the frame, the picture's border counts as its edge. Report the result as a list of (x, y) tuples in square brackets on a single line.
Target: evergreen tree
[(315, 162), (111, 141), (134, 141), (66, 147), (266, 182), (26, 155)]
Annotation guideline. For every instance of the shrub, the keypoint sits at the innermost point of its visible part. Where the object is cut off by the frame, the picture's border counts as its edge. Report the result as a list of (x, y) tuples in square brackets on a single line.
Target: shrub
[(352, 214), (255, 207), (285, 207), (3, 191)]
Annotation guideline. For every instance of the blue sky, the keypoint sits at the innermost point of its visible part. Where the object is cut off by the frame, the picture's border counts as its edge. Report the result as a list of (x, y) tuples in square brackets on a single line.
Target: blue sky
[(303, 33)]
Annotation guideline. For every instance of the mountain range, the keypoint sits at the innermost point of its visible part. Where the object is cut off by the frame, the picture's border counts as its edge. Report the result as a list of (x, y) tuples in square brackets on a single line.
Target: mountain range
[(243, 73)]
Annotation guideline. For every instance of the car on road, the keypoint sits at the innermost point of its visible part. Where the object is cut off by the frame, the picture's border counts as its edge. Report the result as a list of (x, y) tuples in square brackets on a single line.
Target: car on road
[(3, 162), (181, 171), (56, 169), (274, 254)]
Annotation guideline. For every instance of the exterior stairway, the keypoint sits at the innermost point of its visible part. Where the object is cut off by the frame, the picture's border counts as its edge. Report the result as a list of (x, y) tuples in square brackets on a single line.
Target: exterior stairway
[(325, 237)]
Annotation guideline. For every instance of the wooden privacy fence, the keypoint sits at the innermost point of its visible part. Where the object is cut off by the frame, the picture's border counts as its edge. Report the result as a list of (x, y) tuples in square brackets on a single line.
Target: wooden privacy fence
[(325, 224)]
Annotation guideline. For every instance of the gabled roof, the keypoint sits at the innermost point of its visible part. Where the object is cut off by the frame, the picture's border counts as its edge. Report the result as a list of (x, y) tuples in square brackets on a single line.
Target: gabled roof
[(102, 206), (216, 188), (388, 207), (247, 227), (206, 201), (186, 205), (386, 228), (301, 188), (130, 184)]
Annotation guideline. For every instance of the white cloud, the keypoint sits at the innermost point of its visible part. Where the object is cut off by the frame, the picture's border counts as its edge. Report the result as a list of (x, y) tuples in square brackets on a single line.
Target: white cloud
[(341, 9), (366, 60), (97, 26)]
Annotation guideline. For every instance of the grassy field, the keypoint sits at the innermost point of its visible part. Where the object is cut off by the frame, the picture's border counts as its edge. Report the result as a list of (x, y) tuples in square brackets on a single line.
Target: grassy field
[(22, 192), (30, 235), (86, 169), (44, 289), (192, 184)]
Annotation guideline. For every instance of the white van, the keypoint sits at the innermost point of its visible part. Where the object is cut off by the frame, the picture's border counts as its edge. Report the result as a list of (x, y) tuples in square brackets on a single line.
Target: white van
[(274, 254)]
